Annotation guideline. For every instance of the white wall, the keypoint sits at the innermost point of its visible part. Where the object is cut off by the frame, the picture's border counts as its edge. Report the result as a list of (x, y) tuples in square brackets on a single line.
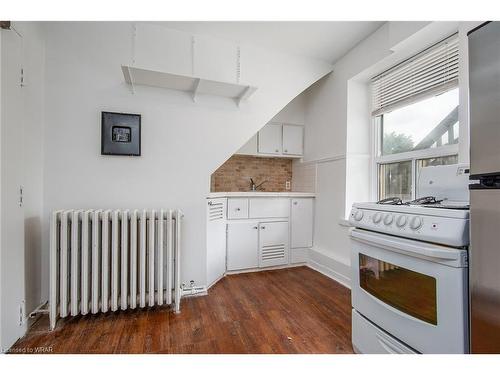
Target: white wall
[(293, 112), (34, 49), (338, 130), (182, 142)]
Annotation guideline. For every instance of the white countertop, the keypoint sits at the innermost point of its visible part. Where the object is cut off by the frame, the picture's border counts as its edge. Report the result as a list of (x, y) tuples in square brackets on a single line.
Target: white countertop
[(253, 194)]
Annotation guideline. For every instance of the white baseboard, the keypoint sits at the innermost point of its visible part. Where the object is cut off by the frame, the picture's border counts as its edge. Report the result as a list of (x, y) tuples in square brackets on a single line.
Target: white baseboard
[(330, 267), (292, 265), (216, 281)]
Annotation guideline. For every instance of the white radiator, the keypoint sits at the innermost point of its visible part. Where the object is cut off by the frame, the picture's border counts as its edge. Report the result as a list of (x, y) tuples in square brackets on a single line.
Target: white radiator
[(109, 260)]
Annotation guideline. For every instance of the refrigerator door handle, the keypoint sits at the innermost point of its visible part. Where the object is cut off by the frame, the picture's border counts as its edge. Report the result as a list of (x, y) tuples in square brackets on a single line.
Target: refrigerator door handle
[(485, 181)]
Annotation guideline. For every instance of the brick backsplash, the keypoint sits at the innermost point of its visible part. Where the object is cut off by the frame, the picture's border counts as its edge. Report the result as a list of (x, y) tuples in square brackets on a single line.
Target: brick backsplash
[(235, 174)]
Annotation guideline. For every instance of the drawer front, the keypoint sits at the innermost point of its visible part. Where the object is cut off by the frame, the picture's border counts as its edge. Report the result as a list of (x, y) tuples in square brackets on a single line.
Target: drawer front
[(269, 207), (367, 338), (237, 208)]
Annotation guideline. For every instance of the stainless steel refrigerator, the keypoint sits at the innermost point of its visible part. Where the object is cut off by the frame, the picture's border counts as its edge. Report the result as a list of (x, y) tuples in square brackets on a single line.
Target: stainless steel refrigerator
[(484, 259)]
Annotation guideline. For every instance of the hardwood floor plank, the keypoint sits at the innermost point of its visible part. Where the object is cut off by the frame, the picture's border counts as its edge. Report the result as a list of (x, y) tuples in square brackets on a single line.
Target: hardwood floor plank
[(296, 310)]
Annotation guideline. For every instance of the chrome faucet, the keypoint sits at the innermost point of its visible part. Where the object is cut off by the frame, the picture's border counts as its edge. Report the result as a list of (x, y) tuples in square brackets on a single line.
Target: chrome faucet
[(253, 186)]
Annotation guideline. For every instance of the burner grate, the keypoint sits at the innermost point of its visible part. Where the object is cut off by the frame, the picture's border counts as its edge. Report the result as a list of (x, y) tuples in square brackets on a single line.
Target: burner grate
[(391, 201), (424, 200)]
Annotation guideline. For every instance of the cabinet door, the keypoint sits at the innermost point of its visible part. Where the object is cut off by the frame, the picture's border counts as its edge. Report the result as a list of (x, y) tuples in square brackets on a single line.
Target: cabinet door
[(293, 139), (270, 139), (12, 219), (273, 243), (301, 215), (249, 148), (242, 246)]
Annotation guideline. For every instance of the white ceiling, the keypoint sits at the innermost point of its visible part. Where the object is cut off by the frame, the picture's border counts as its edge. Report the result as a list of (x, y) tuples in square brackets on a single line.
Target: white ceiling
[(325, 40)]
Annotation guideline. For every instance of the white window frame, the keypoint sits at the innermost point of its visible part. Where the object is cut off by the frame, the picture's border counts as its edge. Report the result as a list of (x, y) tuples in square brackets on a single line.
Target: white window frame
[(413, 156)]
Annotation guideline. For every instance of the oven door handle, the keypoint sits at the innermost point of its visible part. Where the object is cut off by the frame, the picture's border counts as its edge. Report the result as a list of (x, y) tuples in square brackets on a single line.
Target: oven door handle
[(407, 246)]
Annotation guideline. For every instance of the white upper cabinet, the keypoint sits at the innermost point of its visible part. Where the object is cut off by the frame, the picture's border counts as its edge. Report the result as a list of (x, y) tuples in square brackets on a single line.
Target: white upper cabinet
[(276, 139), (293, 139), (270, 139)]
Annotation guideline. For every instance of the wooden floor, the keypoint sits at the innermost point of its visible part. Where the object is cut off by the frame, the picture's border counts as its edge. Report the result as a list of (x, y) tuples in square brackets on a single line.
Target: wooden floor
[(294, 310)]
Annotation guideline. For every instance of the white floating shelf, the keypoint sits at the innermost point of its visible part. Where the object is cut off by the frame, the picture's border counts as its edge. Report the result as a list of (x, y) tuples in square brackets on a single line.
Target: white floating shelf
[(194, 85)]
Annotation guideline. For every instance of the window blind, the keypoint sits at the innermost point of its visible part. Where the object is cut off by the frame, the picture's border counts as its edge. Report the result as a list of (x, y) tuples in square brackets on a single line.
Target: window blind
[(428, 73)]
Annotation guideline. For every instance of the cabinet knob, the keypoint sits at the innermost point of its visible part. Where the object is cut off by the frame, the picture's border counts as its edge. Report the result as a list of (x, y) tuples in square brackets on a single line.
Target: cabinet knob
[(277, 150), (295, 203), (238, 209), (263, 227), (286, 150), (255, 227)]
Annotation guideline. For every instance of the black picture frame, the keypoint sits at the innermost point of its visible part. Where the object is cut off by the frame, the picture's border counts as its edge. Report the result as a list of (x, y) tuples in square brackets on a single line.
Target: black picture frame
[(120, 134)]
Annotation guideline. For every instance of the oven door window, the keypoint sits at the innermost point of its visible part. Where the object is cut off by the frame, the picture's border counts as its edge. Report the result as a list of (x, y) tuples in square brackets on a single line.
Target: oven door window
[(408, 291)]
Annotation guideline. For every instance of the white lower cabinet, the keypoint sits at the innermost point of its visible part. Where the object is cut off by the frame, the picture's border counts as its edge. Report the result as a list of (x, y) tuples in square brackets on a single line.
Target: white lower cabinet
[(257, 232), (273, 243), (256, 244), (242, 245), (301, 219)]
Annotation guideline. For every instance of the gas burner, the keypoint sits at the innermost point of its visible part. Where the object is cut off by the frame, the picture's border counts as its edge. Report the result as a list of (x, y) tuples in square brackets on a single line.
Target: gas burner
[(430, 200), (391, 201)]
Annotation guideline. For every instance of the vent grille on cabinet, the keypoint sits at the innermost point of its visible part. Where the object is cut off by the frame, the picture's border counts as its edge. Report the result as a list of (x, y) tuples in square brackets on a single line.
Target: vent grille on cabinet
[(215, 211), (273, 252)]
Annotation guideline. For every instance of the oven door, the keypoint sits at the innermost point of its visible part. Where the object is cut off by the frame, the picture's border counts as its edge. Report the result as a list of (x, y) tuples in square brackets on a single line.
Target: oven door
[(414, 290)]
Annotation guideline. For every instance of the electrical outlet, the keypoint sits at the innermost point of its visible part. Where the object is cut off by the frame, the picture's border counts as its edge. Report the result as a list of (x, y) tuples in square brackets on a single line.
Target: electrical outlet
[(287, 185)]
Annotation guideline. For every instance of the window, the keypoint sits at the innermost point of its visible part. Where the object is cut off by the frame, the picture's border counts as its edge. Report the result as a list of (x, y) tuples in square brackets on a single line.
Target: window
[(425, 124), (395, 180), (415, 114)]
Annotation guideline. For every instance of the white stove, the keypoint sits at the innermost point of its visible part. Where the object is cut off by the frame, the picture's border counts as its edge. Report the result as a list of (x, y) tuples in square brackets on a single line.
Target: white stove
[(409, 268)]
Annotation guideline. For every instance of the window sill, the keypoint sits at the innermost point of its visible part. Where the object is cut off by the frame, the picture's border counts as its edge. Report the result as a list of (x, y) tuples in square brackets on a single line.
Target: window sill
[(344, 223)]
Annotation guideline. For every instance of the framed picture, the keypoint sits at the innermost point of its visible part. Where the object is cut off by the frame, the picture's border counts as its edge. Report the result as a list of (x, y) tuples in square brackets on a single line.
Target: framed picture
[(120, 134)]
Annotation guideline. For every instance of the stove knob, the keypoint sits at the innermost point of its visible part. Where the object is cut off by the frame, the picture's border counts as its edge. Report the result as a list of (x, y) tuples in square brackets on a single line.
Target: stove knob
[(358, 215), (388, 219), (416, 222), (402, 220), (377, 217)]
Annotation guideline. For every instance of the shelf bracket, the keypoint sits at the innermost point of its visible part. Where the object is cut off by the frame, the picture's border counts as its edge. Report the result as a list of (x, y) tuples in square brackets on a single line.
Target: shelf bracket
[(195, 89), (243, 95), (131, 80)]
